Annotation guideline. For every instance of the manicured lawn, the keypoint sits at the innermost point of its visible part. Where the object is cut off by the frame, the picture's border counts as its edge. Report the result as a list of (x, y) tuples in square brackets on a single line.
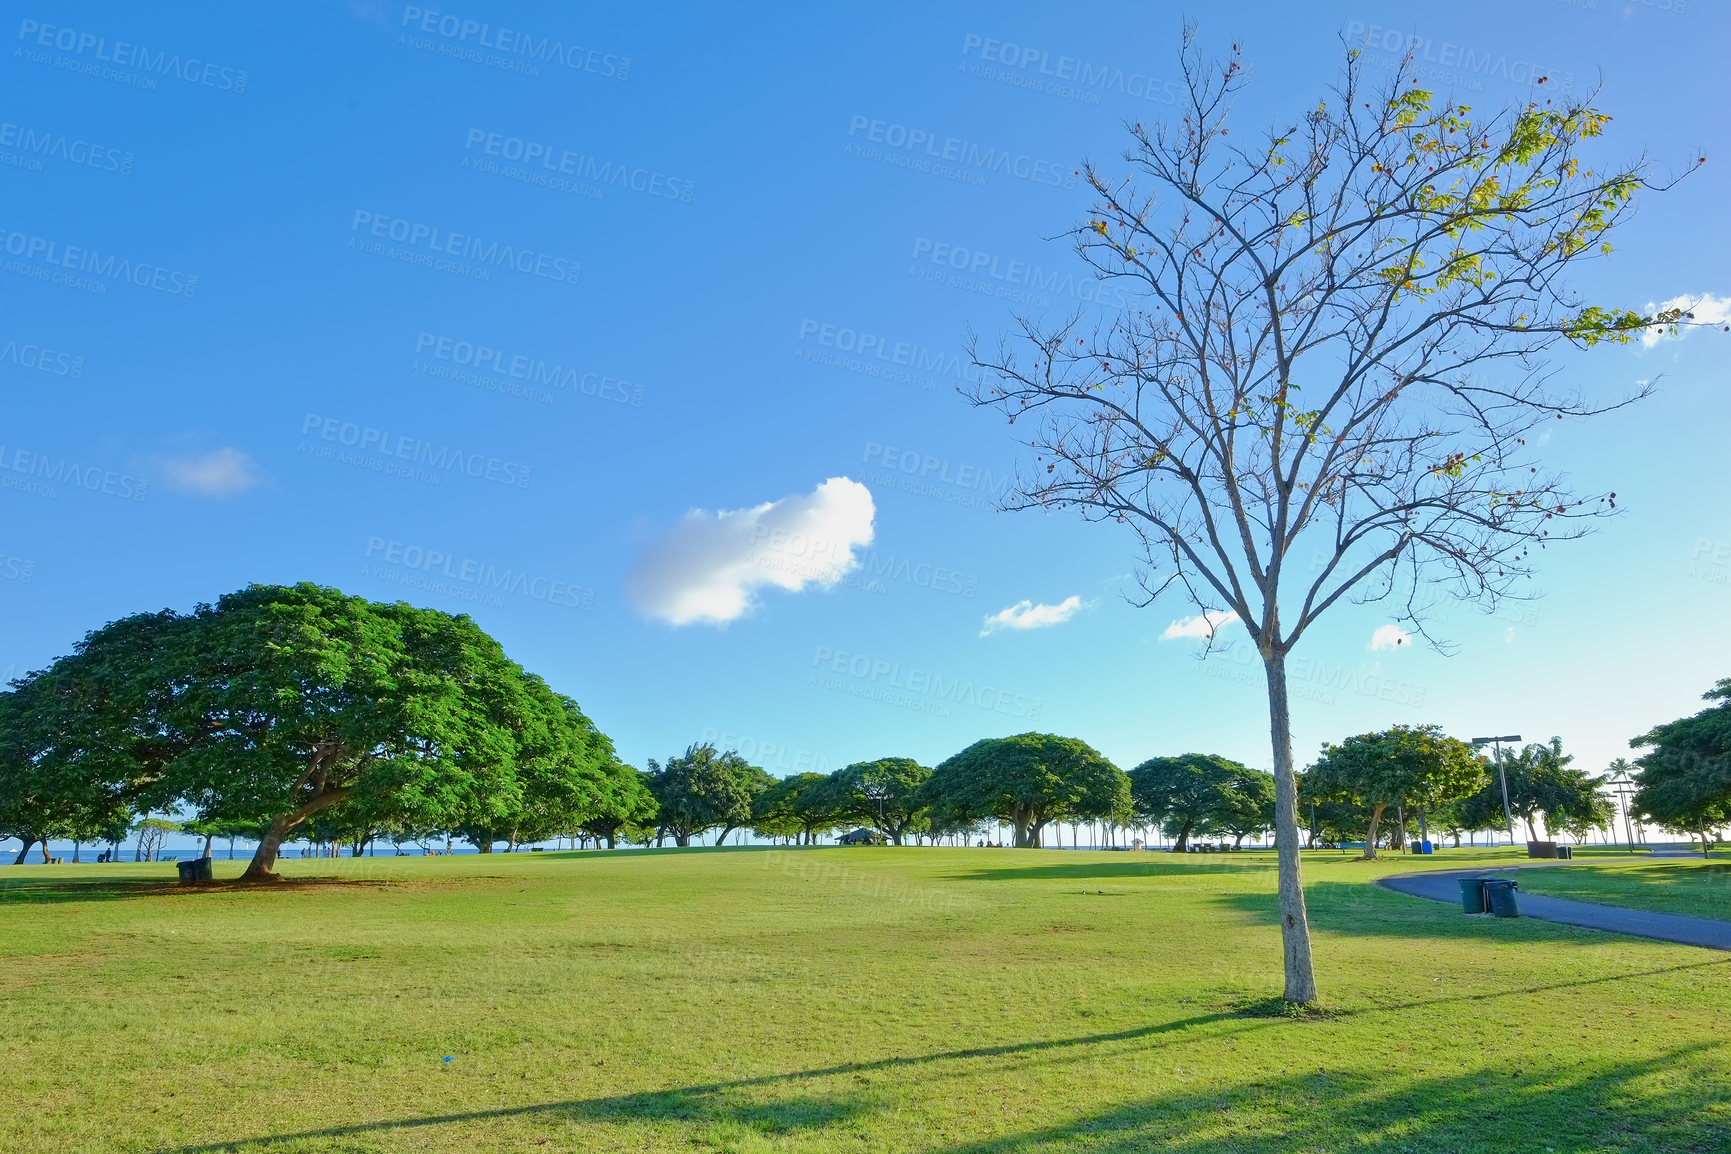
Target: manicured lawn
[(1673, 885), (821, 1000)]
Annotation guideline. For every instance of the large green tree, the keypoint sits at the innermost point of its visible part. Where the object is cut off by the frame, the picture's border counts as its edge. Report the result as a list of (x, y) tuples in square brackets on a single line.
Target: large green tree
[(1403, 765), (1246, 805), (1337, 348), (884, 794), (1028, 781), (1182, 794), (625, 804), (1542, 783), (799, 806), (1684, 778), (703, 789), (278, 704)]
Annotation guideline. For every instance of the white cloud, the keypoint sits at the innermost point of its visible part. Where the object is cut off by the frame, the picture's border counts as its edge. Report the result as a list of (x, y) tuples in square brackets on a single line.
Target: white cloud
[(1708, 310), (1389, 637), (219, 473), (1203, 625), (709, 566), (1027, 615)]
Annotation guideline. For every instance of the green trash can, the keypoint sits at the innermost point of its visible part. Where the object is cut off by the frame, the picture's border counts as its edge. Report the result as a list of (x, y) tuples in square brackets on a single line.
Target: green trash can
[(1473, 896), (193, 871), (1566, 852), (1500, 892)]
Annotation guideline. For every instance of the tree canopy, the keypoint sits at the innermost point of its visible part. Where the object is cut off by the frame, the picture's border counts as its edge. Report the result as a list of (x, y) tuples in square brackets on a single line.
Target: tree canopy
[(1402, 765), (1028, 781), (703, 789), (1684, 778), (281, 703), (885, 794)]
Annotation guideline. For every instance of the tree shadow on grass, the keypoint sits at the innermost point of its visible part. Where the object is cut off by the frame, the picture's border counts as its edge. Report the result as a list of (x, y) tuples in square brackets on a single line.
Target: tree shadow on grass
[(1114, 870), (56, 890), (1358, 910), (1580, 1106), (720, 1101)]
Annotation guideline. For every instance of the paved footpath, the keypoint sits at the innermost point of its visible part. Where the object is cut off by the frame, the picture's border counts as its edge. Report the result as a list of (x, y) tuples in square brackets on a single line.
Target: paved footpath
[(1444, 886)]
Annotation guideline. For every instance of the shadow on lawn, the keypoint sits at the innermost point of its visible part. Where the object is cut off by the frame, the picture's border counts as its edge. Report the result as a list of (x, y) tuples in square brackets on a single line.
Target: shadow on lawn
[(1581, 1106), (718, 1101), (53, 890)]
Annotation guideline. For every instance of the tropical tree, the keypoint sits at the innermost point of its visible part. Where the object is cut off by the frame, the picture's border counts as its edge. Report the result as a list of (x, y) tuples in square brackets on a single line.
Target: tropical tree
[(1337, 349), (1541, 784), (1246, 805), (1684, 778), (702, 789), (1403, 765), (799, 806), (1182, 794), (625, 803), (885, 794), (1027, 781)]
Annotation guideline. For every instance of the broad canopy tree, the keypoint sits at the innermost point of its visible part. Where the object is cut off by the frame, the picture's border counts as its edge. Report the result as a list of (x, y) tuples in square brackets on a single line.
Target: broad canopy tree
[(1542, 783), (1199, 793), (1404, 765), (1028, 781), (280, 704), (704, 788), (1336, 348), (1684, 778), (885, 794)]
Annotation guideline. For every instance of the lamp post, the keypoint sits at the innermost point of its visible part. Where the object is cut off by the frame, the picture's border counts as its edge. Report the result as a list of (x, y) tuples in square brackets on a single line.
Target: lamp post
[(1497, 743), (1623, 788)]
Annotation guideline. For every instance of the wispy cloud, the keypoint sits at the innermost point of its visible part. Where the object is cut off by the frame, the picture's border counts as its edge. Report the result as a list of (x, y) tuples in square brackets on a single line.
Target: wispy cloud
[(1203, 625), (1389, 637), (1027, 615), (219, 473), (1707, 309)]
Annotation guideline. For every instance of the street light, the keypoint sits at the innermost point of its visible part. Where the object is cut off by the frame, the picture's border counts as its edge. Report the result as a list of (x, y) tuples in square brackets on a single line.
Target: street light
[(1508, 814), (1624, 789)]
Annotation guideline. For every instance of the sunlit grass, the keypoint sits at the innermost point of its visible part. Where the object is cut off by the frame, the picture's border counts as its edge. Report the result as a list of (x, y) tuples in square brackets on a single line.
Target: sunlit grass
[(829, 999)]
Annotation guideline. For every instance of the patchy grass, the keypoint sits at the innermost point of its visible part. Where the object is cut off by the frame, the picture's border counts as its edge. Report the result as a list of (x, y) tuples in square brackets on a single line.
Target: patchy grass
[(986, 1001), (1672, 885)]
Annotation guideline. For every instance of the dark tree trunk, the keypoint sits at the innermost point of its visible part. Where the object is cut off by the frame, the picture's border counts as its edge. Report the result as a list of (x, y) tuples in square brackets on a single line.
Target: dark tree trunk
[(1183, 839), (612, 836), (264, 858), (25, 851), (1370, 833), (484, 846), (682, 840), (208, 838)]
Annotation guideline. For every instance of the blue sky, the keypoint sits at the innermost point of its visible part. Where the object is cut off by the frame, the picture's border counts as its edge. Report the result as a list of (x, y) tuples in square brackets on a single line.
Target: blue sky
[(727, 286)]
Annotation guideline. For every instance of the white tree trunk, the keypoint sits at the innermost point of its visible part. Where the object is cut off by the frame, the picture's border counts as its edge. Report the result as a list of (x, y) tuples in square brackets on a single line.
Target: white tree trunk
[(1294, 923)]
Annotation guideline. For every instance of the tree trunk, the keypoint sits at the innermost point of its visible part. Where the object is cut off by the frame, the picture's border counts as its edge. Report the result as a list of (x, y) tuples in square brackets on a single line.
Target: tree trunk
[(264, 857), (25, 851), (1294, 921), (612, 836), (724, 832), (1370, 834), (1183, 839), (208, 838), (1021, 823), (682, 840), (1237, 841)]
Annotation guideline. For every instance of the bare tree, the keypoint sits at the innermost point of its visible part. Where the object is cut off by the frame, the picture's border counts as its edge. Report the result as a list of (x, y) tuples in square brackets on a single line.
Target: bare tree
[(1337, 353)]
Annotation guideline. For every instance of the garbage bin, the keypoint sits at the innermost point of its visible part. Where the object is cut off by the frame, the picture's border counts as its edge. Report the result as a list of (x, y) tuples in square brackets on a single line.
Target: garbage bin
[(1566, 851), (1473, 896), (1500, 894), (193, 871)]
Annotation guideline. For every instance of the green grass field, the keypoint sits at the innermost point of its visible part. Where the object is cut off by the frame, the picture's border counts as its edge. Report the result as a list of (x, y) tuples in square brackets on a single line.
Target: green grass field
[(961, 1000)]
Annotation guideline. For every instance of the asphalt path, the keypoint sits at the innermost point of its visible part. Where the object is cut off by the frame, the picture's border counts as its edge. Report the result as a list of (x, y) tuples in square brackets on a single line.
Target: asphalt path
[(1444, 886)]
